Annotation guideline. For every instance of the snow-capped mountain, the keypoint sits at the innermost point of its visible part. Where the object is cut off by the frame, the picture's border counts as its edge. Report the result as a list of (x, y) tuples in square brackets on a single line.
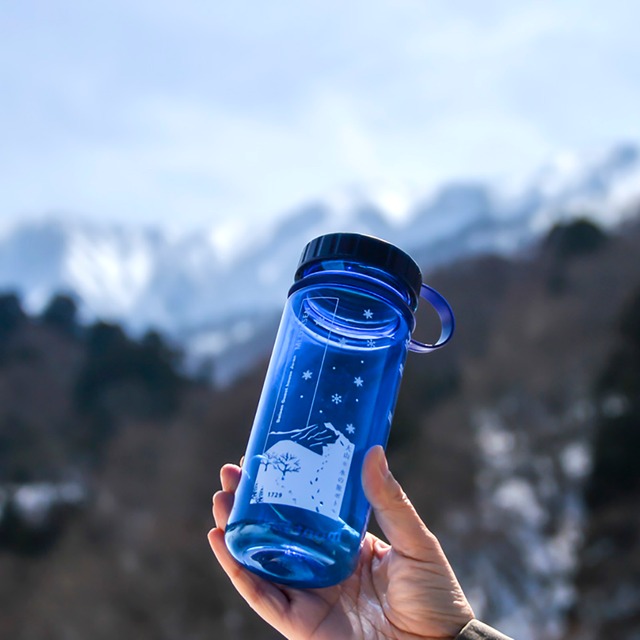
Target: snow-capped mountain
[(216, 289)]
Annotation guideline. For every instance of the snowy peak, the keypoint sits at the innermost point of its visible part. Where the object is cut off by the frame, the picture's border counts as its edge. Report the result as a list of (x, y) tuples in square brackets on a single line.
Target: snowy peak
[(107, 267), (593, 175), (602, 185)]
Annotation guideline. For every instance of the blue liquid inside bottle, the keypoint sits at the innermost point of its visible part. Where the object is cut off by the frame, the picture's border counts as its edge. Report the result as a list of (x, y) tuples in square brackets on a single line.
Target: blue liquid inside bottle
[(300, 513)]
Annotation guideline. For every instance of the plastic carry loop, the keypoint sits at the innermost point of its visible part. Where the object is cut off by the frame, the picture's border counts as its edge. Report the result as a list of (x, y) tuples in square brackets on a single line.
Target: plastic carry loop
[(447, 321)]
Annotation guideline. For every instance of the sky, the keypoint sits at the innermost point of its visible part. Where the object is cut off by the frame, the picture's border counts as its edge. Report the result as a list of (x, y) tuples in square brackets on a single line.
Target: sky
[(195, 112)]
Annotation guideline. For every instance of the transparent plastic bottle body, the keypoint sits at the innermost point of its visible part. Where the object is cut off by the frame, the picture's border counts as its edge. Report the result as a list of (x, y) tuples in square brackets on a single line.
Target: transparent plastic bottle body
[(300, 512)]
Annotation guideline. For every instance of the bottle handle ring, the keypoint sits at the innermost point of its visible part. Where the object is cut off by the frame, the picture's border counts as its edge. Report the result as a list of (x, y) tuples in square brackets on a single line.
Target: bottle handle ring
[(447, 321)]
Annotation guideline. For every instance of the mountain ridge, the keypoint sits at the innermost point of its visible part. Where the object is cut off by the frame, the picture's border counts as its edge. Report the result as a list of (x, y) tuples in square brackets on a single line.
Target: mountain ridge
[(201, 290)]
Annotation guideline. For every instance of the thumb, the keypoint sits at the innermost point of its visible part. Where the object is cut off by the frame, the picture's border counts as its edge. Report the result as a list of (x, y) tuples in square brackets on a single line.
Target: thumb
[(395, 514)]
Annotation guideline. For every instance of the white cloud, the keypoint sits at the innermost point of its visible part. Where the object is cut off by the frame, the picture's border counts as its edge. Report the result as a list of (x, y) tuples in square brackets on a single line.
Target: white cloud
[(140, 110)]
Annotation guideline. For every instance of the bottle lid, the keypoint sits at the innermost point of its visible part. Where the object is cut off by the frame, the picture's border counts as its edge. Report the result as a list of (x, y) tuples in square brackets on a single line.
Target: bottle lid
[(366, 250)]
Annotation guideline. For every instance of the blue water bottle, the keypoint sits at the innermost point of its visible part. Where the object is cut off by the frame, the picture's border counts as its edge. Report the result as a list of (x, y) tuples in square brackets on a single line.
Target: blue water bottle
[(300, 512)]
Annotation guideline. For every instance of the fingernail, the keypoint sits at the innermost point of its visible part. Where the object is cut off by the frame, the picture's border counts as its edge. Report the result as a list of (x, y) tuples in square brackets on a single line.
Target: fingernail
[(383, 465), (241, 461)]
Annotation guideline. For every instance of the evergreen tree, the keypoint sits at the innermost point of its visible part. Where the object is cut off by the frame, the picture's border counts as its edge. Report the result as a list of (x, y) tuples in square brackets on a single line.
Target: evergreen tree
[(616, 472), (11, 313), (61, 313)]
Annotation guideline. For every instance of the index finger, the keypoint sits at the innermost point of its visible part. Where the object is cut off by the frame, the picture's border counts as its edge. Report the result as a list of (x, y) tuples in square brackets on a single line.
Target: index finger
[(230, 477)]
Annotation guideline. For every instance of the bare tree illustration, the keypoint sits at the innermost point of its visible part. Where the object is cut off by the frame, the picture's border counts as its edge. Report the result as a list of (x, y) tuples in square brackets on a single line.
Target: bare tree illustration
[(268, 459), (286, 463)]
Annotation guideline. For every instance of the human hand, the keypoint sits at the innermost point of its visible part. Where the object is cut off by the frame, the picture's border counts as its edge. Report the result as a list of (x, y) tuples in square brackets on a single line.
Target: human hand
[(403, 590)]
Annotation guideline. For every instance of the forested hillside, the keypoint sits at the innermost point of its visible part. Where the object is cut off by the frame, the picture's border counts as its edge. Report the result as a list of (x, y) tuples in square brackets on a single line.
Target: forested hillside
[(516, 443)]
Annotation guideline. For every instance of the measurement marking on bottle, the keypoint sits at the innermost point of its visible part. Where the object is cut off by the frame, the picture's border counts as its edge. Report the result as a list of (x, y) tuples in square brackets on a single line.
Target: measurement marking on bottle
[(324, 353)]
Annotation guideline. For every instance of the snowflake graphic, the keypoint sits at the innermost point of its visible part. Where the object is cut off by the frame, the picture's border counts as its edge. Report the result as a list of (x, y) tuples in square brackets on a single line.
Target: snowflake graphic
[(358, 381), (335, 398), (307, 374), (368, 314), (371, 343), (350, 428), (343, 341)]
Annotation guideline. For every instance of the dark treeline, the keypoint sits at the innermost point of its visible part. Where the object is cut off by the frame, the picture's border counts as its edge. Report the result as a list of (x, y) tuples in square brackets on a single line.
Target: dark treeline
[(67, 388)]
